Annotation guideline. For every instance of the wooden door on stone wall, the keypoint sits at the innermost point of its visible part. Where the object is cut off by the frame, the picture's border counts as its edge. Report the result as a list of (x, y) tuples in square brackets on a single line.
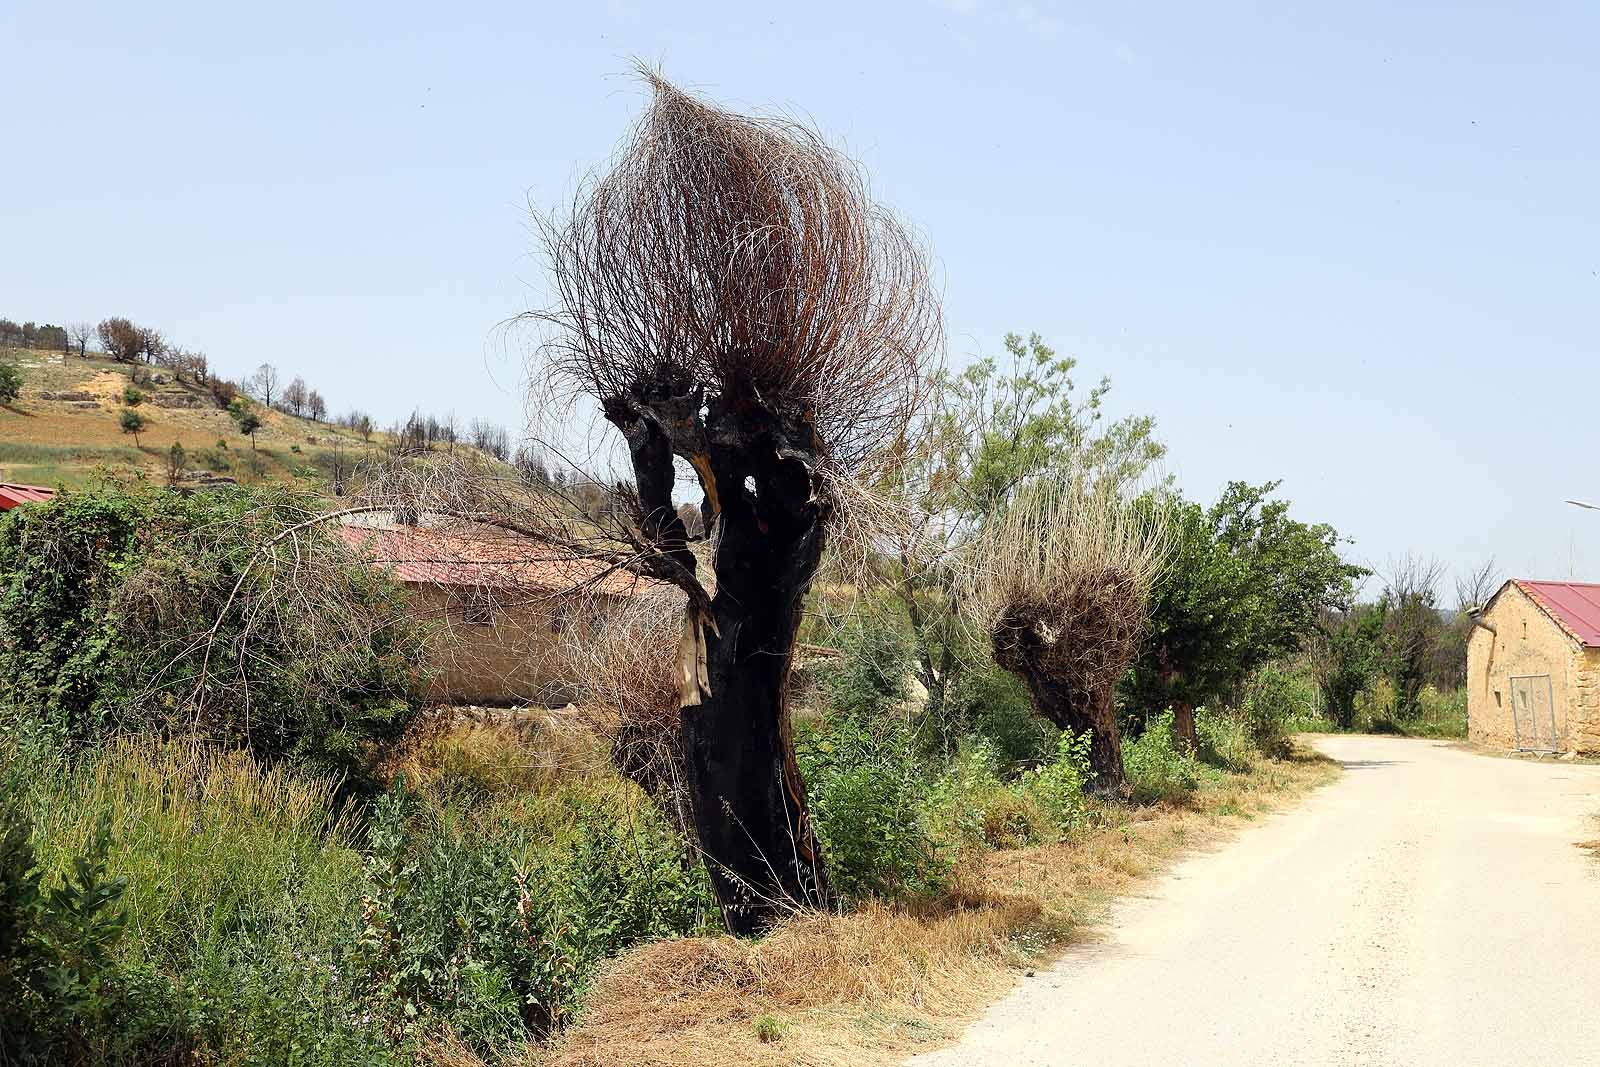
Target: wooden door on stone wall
[(1533, 712)]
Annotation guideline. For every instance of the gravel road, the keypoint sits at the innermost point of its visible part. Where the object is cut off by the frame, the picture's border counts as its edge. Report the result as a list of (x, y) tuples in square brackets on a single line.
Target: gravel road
[(1430, 907)]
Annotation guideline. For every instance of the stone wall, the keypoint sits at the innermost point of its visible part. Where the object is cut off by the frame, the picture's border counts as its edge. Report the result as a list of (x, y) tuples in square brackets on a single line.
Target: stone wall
[(1527, 641)]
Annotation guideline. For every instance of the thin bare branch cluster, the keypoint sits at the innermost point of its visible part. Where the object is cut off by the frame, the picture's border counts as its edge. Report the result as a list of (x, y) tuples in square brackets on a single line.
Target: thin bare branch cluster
[(295, 621), (627, 692), (1062, 580), (724, 251)]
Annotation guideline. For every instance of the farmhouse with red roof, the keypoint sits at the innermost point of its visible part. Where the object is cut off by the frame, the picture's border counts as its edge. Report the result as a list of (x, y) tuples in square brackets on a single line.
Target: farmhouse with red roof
[(506, 610), (1533, 668)]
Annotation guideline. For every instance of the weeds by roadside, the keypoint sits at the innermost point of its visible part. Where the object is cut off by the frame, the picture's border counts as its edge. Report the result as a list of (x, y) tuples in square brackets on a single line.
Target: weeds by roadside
[(878, 983)]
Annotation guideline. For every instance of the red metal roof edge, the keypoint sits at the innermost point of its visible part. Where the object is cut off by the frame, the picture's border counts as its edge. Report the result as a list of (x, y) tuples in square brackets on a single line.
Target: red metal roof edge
[(1581, 620), (418, 556), (18, 493)]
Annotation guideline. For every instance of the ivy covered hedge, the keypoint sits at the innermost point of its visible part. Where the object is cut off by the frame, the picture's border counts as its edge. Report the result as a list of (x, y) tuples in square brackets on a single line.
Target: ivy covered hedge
[(135, 610)]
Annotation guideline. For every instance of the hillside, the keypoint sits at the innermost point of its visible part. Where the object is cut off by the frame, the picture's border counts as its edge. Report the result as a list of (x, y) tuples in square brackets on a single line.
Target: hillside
[(65, 429)]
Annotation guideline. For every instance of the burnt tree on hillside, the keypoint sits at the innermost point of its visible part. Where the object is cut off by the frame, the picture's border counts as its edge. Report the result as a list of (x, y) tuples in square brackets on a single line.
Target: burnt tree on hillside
[(733, 298), (121, 339)]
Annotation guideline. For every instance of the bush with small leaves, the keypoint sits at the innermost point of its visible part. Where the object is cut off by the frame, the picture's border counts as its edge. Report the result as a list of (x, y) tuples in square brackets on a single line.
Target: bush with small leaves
[(1224, 740), (10, 382), (1158, 766), (134, 423), (1274, 696), (868, 792)]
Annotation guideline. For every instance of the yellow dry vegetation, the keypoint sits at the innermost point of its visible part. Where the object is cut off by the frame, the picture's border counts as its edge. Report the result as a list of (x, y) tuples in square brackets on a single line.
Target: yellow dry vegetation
[(878, 984), (45, 441)]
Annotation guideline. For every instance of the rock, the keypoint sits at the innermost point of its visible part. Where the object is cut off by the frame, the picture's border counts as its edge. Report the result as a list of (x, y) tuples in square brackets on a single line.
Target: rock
[(176, 400), (66, 394)]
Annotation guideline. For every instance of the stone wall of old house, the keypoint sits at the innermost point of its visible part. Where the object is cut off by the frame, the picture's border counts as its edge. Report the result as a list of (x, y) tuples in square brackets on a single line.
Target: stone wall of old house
[(1586, 696), (1528, 642), (499, 652)]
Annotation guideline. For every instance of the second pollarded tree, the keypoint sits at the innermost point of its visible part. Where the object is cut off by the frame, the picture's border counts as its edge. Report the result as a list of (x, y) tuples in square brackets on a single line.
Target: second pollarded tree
[(1060, 582)]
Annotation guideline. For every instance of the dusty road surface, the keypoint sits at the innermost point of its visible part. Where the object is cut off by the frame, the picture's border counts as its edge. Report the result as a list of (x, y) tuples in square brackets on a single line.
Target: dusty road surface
[(1430, 907)]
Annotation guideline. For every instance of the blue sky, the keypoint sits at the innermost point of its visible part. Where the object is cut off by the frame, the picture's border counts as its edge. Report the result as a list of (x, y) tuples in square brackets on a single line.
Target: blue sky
[(1354, 248)]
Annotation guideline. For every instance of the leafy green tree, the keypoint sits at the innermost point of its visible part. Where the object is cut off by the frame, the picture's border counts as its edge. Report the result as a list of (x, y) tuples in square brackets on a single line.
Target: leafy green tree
[(1348, 656), (1244, 584), (133, 422), (177, 463), (10, 383), (1414, 630), (249, 423), (990, 428)]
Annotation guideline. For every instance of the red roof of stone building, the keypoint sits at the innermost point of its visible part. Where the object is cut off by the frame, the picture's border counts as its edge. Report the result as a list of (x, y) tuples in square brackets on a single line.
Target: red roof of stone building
[(12, 494), (422, 556), (1575, 605)]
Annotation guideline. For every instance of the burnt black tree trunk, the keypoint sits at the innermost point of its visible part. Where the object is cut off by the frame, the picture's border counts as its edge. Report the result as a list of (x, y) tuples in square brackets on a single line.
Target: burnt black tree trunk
[(1080, 709), (757, 468)]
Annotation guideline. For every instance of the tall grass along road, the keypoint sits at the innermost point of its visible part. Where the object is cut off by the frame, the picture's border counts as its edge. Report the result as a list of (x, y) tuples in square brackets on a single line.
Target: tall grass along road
[(1431, 907)]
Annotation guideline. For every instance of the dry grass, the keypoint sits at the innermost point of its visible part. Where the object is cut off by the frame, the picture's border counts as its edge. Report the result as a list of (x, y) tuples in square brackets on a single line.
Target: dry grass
[(878, 984), (500, 751), (45, 441)]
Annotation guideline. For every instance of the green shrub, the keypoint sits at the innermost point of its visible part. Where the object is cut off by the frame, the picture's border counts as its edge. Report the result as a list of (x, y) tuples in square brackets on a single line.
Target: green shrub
[(142, 611), (769, 1028), (869, 677), (132, 397), (491, 921), (263, 929), (1440, 714), (10, 382), (1159, 768), (242, 898), (1224, 740), (1057, 786), (994, 704), (969, 805), (1274, 696), (869, 798)]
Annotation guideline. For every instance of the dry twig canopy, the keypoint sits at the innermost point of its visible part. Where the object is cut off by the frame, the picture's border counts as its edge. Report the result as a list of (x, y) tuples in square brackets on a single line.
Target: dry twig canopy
[(1067, 570), (723, 248)]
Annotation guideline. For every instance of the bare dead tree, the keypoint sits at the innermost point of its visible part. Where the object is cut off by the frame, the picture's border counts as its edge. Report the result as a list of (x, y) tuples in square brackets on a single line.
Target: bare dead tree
[(1412, 625), (1474, 588), (732, 296), (81, 333), (120, 339), (1061, 582), (263, 384)]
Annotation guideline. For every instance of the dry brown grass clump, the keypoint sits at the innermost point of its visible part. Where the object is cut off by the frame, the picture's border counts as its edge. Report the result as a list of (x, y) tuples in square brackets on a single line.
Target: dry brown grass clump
[(875, 985)]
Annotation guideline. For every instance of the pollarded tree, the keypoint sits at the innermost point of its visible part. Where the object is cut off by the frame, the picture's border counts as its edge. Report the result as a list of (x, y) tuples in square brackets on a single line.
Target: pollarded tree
[(1060, 581), (732, 296)]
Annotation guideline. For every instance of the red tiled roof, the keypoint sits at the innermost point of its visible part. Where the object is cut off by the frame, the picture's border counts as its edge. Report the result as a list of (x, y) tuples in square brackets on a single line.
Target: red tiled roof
[(422, 556), (12, 494), (1575, 605)]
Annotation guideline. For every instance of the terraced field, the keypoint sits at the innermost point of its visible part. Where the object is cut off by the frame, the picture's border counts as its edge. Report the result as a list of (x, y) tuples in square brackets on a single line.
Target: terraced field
[(66, 429)]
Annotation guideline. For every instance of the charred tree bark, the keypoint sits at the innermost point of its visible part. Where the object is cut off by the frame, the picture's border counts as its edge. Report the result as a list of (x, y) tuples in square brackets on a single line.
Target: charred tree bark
[(1078, 709), (748, 800)]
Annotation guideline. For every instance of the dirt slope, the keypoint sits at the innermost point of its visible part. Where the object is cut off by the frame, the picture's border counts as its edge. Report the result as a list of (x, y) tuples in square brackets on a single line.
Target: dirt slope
[(1429, 908), (65, 427)]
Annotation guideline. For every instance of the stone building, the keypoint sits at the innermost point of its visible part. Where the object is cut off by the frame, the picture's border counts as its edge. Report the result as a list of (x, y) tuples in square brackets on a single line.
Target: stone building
[(503, 610), (1533, 668)]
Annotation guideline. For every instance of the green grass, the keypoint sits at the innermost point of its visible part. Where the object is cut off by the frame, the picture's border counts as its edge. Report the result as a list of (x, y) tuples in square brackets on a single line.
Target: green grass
[(29, 453)]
